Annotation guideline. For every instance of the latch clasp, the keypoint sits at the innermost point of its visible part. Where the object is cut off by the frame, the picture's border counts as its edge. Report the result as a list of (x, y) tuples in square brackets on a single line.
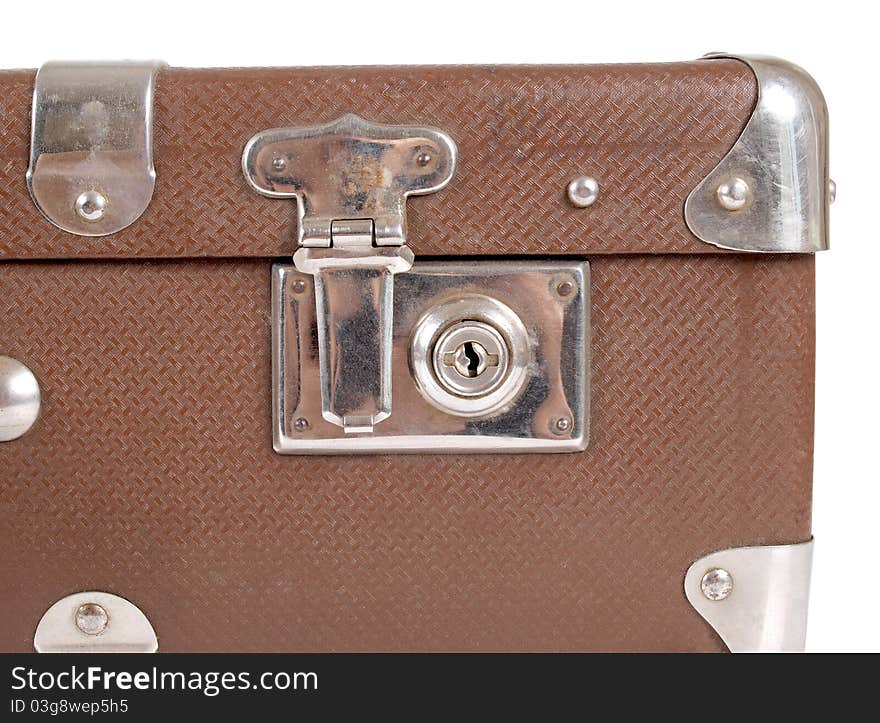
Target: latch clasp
[(351, 179)]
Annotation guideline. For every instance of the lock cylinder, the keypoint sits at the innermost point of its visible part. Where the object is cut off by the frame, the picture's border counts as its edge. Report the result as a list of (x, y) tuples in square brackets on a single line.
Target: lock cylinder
[(469, 356)]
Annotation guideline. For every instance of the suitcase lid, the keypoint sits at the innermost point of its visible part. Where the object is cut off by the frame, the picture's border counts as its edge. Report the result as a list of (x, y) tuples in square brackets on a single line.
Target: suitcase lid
[(552, 160)]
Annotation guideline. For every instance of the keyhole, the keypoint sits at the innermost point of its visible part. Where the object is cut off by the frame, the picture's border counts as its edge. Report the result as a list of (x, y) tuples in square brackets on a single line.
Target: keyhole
[(473, 359), (470, 359)]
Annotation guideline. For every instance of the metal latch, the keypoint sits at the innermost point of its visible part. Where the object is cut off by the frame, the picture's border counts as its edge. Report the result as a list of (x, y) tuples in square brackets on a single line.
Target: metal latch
[(488, 356), (91, 163), (351, 179)]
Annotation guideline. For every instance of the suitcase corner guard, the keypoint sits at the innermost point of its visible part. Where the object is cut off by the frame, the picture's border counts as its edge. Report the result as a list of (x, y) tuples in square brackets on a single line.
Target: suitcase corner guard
[(755, 598), (771, 192)]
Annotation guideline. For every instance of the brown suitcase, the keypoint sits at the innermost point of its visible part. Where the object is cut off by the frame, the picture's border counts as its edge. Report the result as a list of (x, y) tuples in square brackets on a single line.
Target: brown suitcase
[(580, 420)]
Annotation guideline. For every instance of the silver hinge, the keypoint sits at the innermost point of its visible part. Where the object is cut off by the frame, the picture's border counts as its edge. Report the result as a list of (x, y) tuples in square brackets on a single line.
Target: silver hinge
[(351, 179), (91, 163)]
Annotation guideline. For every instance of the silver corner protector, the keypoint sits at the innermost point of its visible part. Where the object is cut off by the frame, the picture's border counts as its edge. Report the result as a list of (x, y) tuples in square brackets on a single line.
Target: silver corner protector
[(755, 598), (91, 160), (94, 622), (771, 192)]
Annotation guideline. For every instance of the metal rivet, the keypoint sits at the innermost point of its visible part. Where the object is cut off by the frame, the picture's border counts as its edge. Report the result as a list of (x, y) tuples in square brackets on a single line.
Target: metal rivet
[(279, 164), (91, 619), (734, 194), (90, 205), (19, 399), (717, 584), (562, 425), (298, 286), (301, 424), (423, 159), (564, 288), (832, 191), (583, 191)]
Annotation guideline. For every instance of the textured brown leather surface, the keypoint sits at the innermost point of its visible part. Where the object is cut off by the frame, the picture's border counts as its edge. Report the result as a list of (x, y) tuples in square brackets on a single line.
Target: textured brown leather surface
[(151, 473), (648, 133)]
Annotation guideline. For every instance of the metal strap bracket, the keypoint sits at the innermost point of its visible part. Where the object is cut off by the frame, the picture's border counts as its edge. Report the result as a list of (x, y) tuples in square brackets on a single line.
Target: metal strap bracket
[(91, 163)]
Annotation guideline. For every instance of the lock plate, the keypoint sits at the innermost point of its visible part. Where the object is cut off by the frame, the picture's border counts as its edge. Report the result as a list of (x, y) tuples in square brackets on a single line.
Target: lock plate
[(546, 411)]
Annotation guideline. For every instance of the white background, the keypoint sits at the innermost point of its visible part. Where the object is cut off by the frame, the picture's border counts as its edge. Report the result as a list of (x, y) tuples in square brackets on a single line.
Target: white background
[(835, 42)]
